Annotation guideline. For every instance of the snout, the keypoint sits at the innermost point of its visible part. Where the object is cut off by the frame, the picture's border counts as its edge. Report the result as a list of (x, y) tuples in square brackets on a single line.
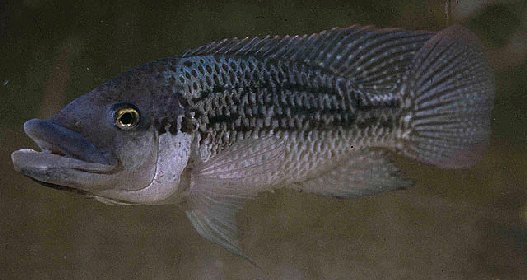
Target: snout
[(52, 137)]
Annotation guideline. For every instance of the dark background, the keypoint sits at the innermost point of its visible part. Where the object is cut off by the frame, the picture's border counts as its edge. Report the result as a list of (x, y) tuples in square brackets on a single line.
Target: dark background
[(454, 224)]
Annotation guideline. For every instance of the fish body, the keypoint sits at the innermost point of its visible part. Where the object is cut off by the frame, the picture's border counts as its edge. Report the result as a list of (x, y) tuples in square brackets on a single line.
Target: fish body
[(225, 121)]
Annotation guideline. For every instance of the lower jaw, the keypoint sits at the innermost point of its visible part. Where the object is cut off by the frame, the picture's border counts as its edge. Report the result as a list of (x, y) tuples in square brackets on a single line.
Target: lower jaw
[(63, 188)]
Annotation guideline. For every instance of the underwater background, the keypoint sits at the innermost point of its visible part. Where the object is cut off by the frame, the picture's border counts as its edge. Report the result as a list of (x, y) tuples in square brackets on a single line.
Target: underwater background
[(453, 224)]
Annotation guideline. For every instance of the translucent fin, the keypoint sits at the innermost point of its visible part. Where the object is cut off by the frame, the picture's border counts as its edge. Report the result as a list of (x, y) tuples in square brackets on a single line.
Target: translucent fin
[(214, 218), (367, 56), (221, 185), (448, 101), (362, 173)]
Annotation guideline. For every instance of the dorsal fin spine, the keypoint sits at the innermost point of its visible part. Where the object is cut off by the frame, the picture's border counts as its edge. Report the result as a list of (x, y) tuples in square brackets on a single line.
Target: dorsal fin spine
[(375, 61)]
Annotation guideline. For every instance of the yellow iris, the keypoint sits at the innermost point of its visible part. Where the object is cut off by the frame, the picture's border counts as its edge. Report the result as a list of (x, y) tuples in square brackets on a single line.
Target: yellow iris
[(127, 117)]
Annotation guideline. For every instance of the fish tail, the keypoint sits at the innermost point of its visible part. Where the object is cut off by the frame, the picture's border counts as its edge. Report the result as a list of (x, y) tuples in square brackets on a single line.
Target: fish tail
[(447, 101)]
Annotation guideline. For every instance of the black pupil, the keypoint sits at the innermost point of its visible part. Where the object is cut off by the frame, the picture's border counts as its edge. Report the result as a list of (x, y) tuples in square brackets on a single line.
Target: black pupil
[(127, 118)]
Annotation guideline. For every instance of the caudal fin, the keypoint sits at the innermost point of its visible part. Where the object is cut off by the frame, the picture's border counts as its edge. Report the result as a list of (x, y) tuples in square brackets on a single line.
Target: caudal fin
[(447, 101)]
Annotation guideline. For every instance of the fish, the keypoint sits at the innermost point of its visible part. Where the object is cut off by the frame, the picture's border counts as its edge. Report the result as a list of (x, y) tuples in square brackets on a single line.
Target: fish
[(322, 113)]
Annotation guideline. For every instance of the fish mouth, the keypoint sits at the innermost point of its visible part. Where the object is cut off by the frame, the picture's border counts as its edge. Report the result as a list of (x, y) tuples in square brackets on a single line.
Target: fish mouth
[(66, 158)]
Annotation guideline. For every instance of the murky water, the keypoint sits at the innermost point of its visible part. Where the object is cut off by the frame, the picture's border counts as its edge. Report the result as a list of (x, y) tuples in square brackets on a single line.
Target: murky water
[(462, 224)]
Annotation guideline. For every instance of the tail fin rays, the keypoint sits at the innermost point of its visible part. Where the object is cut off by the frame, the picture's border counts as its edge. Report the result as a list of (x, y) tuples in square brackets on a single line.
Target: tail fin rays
[(447, 101)]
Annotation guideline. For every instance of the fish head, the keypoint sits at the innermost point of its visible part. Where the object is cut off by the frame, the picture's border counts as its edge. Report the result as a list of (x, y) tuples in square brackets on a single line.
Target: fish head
[(105, 143)]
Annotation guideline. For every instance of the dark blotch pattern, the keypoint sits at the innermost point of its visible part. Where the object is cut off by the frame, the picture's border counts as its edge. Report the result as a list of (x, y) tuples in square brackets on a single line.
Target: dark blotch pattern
[(231, 97)]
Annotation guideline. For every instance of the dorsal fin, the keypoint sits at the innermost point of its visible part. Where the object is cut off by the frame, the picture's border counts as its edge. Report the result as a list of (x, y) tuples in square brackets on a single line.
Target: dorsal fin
[(370, 57)]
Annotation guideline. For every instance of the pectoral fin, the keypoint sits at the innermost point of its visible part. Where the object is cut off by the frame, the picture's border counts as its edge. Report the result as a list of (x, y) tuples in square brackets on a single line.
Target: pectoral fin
[(221, 185), (214, 219), (361, 173)]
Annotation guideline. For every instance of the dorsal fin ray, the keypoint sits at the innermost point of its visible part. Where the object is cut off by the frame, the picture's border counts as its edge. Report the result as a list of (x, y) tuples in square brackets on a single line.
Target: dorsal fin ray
[(372, 58)]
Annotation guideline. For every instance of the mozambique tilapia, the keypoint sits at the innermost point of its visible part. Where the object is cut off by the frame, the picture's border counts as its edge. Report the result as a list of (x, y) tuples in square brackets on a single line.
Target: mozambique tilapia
[(318, 113)]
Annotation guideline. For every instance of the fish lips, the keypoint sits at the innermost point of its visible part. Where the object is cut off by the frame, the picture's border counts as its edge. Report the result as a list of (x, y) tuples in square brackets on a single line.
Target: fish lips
[(65, 157)]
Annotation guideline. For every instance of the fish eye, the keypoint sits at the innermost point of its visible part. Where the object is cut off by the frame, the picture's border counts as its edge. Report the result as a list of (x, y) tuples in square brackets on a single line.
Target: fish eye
[(126, 116)]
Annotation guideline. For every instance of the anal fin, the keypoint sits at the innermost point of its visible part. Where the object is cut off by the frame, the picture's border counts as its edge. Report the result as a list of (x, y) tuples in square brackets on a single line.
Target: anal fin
[(361, 173)]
